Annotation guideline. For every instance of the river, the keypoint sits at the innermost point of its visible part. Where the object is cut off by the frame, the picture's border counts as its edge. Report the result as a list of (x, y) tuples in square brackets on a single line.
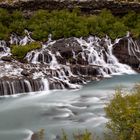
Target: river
[(71, 110)]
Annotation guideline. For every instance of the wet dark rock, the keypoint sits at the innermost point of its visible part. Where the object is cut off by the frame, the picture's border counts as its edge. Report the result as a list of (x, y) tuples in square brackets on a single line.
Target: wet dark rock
[(45, 57), (34, 137), (65, 47), (7, 58), (76, 80), (1, 49), (25, 73), (121, 51), (55, 85), (80, 60), (61, 60), (84, 70), (58, 85)]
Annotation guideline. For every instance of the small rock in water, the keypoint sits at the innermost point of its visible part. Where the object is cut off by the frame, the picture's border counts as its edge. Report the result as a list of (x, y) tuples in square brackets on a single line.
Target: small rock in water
[(7, 58), (25, 73), (34, 137), (1, 49)]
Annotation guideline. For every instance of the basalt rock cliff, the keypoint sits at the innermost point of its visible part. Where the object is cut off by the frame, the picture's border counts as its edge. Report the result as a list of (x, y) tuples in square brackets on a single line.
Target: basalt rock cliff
[(86, 6), (128, 52)]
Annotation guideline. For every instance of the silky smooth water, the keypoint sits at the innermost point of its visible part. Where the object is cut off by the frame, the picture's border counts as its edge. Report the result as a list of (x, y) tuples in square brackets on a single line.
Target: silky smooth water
[(71, 110)]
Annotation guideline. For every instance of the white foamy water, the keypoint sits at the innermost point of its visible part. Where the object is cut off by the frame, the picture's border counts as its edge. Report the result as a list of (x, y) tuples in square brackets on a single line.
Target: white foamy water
[(95, 53), (71, 110)]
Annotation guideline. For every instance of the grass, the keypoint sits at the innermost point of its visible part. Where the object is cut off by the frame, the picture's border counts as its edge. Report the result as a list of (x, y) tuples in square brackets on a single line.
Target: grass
[(19, 51)]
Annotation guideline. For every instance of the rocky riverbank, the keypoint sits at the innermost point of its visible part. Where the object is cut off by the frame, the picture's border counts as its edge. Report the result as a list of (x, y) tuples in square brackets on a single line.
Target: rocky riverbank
[(65, 63)]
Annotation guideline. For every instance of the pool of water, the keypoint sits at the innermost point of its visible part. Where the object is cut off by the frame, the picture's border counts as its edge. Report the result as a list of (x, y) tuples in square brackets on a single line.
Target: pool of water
[(71, 110)]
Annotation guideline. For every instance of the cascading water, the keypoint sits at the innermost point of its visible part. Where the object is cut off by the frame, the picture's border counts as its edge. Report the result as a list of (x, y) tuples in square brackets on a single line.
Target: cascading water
[(133, 48), (64, 63), (4, 50), (95, 53)]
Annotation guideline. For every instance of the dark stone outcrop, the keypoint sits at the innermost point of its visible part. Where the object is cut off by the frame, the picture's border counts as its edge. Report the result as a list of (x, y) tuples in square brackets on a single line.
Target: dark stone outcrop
[(7, 58), (127, 52), (13, 86), (87, 70), (66, 46), (87, 7), (25, 73)]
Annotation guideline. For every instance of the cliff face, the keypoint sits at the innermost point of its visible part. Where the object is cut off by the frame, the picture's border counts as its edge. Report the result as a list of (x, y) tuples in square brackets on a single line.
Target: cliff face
[(128, 52), (86, 6)]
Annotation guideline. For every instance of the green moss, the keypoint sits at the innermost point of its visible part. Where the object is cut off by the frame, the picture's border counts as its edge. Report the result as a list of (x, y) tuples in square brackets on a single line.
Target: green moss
[(19, 51)]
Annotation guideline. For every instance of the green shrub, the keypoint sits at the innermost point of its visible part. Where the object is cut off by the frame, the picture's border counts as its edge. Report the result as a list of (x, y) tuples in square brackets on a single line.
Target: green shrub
[(63, 23), (4, 32), (86, 135), (18, 23), (38, 25), (124, 114), (117, 30), (19, 51), (5, 18), (130, 20), (58, 23)]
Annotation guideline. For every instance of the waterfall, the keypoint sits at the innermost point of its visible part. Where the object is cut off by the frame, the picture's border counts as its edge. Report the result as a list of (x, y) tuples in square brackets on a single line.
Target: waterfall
[(28, 85), (22, 86), (14, 39), (133, 48), (99, 57), (95, 53), (46, 84), (64, 63), (4, 50)]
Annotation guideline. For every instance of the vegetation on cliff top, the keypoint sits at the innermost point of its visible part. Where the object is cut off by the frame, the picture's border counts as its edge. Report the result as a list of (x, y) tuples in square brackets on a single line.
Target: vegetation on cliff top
[(66, 24), (63, 24)]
